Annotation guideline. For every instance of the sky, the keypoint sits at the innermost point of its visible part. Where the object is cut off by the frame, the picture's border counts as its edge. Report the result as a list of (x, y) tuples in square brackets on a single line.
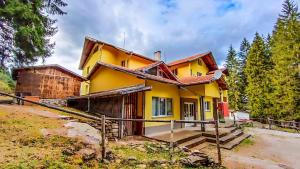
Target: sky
[(179, 28)]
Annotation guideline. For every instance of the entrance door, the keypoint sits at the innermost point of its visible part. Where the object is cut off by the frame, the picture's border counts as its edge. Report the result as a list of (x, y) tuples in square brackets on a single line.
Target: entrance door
[(189, 112)]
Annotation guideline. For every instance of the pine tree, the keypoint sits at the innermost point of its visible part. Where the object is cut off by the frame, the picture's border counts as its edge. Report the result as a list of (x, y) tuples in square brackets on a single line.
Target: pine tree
[(25, 30), (243, 53), (233, 79), (257, 70), (285, 49)]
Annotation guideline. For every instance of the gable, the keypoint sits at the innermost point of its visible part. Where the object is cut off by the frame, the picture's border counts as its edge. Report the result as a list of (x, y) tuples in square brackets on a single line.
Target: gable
[(90, 43)]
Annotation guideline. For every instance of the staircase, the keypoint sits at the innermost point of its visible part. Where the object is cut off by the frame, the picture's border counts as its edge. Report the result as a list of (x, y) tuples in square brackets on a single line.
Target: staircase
[(228, 140)]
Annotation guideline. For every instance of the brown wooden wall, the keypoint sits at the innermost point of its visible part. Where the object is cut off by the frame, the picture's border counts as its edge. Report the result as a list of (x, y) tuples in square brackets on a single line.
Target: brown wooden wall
[(48, 83)]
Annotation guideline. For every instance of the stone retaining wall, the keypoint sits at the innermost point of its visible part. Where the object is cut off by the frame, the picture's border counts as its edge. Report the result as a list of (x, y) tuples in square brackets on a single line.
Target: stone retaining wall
[(54, 102), (111, 128)]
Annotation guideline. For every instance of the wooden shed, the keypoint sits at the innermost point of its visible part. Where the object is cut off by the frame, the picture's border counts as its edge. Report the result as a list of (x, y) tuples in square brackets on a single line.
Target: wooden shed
[(47, 82)]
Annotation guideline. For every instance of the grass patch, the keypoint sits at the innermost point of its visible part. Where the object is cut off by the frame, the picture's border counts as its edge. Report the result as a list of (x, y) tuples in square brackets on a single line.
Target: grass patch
[(247, 142)]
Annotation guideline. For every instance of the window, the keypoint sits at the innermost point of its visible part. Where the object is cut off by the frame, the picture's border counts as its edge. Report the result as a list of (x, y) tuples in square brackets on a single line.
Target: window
[(175, 71), (123, 63), (207, 106), (160, 73), (162, 106), (199, 74), (191, 72), (87, 70), (199, 62)]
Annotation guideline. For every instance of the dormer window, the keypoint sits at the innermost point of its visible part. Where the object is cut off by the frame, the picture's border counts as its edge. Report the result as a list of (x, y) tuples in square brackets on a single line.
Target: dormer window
[(199, 74), (199, 62), (123, 63), (175, 71)]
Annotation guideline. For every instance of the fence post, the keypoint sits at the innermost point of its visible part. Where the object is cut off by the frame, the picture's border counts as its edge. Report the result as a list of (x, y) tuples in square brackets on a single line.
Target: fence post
[(103, 136), (234, 119), (218, 141), (172, 143), (270, 123)]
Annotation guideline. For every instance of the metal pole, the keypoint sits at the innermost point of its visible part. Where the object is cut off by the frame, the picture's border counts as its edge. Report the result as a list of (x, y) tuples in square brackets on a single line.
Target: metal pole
[(103, 136), (217, 139)]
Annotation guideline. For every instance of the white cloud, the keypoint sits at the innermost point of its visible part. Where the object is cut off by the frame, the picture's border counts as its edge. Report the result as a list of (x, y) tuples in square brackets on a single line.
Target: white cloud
[(178, 28)]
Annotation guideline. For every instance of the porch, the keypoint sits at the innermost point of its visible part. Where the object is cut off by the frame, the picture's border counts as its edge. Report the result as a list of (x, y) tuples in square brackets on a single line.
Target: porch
[(193, 137)]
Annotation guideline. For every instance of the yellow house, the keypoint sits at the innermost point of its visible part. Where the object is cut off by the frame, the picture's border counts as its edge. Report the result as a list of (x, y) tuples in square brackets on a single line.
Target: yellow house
[(125, 84)]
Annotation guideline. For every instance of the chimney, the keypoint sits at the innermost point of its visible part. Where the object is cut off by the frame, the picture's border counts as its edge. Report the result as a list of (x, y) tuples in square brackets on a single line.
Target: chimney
[(157, 55)]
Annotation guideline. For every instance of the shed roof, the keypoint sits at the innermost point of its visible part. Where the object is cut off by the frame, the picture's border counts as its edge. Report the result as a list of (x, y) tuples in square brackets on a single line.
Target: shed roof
[(115, 92), (55, 66)]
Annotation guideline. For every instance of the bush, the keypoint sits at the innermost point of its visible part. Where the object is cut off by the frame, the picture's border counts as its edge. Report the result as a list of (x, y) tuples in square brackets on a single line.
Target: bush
[(7, 84)]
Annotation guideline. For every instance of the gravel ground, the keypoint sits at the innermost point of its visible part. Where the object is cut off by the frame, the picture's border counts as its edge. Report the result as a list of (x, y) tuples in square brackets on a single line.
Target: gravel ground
[(269, 149)]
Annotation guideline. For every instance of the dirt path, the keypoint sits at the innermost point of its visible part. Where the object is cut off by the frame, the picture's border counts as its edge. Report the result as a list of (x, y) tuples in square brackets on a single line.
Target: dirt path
[(267, 149)]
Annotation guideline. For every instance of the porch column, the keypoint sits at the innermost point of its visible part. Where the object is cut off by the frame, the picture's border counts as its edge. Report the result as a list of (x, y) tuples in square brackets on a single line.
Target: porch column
[(121, 123), (88, 105), (202, 115)]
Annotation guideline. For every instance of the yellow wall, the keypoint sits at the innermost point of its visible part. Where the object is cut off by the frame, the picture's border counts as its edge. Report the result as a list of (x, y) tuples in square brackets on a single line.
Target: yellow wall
[(212, 90), (161, 90), (209, 114), (109, 55), (108, 79), (136, 62), (198, 68), (184, 70)]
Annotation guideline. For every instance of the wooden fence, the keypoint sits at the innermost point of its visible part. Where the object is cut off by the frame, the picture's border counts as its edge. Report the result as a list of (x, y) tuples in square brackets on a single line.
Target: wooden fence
[(279, 123), (172, 122), (103, 118)]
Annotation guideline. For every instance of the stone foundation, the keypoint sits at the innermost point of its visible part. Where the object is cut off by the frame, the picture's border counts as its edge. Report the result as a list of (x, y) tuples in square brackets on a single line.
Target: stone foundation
[(54, 102)]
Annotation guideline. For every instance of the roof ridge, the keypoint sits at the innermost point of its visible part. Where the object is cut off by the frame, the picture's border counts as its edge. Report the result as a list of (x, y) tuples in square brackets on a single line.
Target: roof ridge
[(188, 58)]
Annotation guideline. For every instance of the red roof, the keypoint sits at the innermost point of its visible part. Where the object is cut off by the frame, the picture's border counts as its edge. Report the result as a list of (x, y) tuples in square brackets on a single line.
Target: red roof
[(89, 44), (136, 73), (187, 59), (207, 58), (55, 66), (187, 81), (197, 80)]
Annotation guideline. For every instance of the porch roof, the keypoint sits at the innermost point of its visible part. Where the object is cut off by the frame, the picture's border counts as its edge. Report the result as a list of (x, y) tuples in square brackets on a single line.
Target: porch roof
[(116, 92), (214, 76)]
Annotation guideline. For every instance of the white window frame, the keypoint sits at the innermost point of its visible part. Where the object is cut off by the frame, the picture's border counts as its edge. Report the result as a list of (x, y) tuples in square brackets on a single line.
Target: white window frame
[(205, 106), (158, 103)]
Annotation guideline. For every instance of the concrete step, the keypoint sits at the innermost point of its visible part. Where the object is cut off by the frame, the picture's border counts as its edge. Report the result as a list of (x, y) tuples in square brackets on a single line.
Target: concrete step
[(200, 146), (193, 142), (186, 139), (226, 138), (231, 136), (235, 142), (222, 134)]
